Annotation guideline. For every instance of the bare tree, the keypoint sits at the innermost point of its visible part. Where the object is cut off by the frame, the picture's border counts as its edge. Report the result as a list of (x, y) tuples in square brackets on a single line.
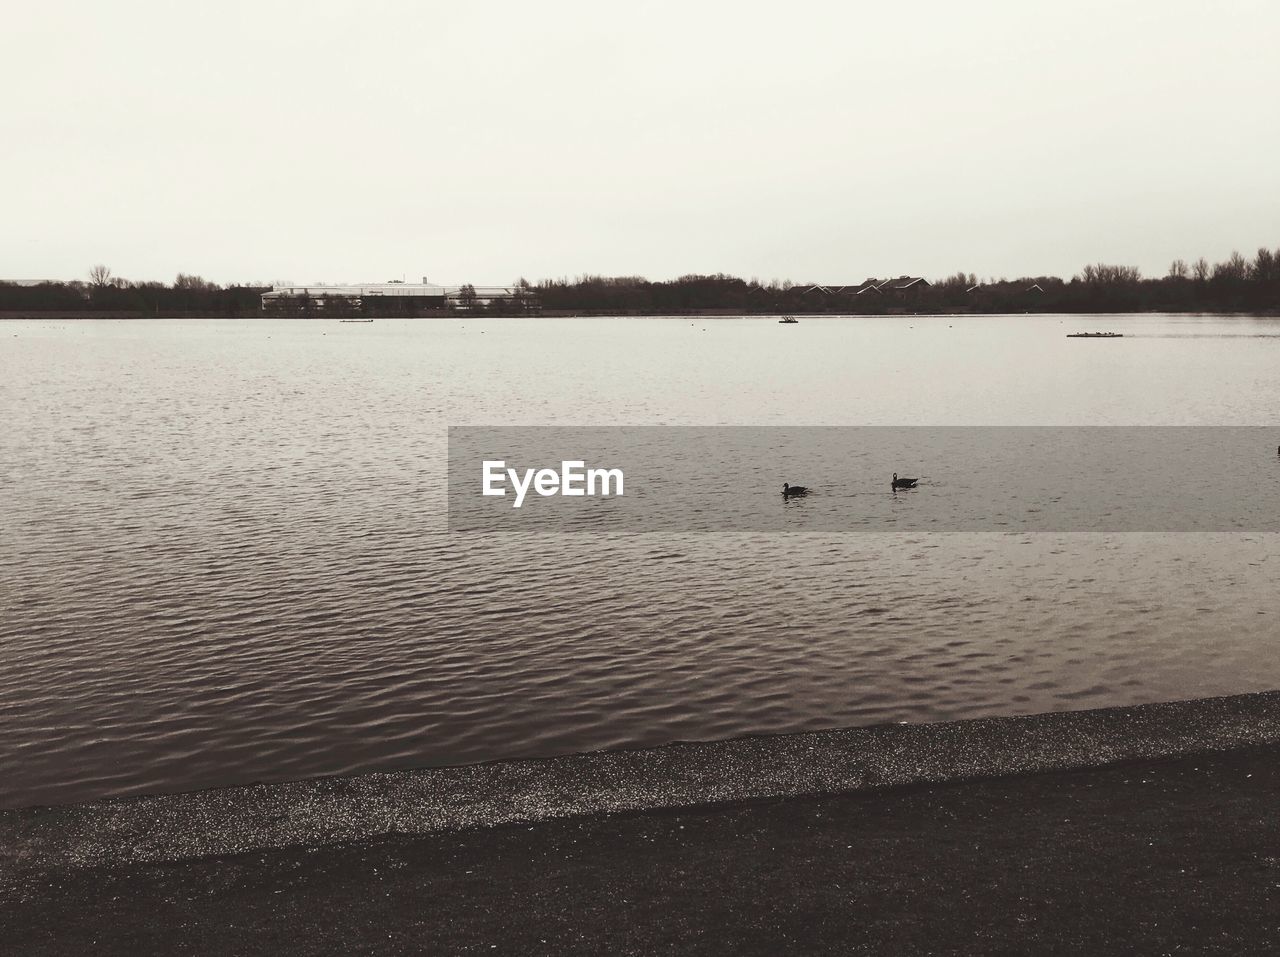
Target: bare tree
[(1201, 269), (185, 281), (1264, 267), (1236, 267), (1178, 269), (100, 276), (1101, 274)]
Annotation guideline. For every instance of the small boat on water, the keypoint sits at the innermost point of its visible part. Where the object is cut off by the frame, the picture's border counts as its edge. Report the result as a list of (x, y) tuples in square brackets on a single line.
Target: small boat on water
[(355, 320), (1095, 335), (788, 320)]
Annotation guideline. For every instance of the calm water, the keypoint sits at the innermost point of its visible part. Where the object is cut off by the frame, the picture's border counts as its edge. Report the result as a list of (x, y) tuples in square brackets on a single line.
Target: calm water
[(223, 554)]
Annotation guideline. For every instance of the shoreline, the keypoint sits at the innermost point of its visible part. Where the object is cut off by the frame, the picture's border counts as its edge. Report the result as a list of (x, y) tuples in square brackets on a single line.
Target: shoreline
[(323, 811), (18, 316), (1130, 830)]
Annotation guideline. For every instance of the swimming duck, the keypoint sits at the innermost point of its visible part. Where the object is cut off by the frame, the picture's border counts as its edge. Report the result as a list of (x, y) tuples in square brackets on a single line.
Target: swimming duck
[(790, 490), (903, 482)]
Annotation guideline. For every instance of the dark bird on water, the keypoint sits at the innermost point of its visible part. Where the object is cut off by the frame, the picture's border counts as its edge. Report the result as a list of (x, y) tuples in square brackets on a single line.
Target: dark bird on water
[(790, 490), (903, 482)]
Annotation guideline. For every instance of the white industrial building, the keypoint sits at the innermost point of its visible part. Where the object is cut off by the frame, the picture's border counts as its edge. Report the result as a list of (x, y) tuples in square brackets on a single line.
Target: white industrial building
[(395, 298)]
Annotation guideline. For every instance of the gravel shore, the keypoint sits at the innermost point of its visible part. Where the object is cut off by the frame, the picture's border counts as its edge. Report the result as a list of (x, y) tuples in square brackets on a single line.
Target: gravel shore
[(1147, 829)]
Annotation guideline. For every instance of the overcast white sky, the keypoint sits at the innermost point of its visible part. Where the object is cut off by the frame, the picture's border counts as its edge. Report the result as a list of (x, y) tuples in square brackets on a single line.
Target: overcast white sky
[(817, 141)]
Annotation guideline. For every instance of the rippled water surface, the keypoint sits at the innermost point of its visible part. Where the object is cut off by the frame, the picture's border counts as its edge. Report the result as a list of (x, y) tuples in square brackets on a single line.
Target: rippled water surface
[(223, 554)]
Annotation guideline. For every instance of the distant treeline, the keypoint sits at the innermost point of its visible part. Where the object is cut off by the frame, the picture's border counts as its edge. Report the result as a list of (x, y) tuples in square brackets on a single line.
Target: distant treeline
[(1237, 284), (1234, 285), (104, 293)]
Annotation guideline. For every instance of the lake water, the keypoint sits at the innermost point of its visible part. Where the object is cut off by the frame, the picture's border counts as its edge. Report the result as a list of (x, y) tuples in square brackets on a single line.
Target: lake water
[(224, 556)]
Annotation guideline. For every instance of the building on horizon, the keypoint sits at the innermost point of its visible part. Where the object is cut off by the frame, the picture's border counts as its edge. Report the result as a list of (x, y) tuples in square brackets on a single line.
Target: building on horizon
[(902, 289), (397, 298)]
